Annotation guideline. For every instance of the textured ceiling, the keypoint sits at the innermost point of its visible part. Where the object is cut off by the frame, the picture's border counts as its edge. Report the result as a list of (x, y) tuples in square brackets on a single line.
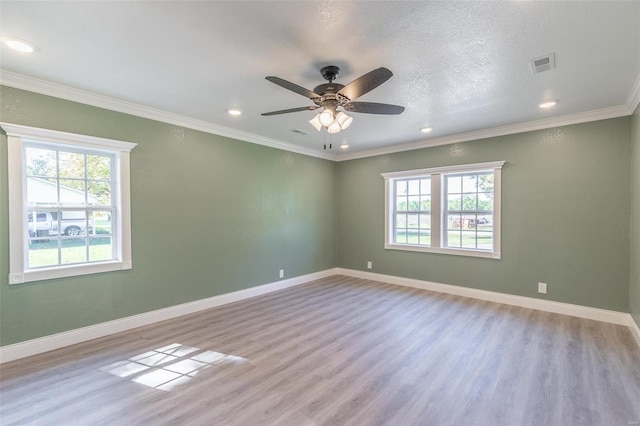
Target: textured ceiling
[(458, 66)]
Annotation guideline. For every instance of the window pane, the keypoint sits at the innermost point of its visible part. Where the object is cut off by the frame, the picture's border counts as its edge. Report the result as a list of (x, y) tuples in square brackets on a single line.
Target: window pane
[(425, 221), (468, 239), (485, 222), (453, 239), (469, 202), (425, 238), (401, 236), (425, 203), (71, 165), (454, 184), (401, 220), (401, 203), (412, 221), (485, 182), (72, 192), (100, 248), (99, 193), (100, 223), (485, 201), (43, 252), (41, 162), (73, 250), (469, 183), (412, 236), (42, 191), (45, 224), (454, 202), (98, 167), (454, 221), (73, 222), (485, 240), (401, 187), (425, 186), (414, 187), (414, 203)]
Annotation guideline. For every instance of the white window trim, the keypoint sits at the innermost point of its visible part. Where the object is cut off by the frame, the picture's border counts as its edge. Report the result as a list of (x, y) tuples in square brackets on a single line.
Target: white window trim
[(436, 211), (17, 187)]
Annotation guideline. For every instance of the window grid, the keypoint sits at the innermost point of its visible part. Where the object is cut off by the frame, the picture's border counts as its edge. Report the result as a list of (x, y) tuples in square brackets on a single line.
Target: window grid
[(463, 213), (468, 211), (70, 233), (412, 211)]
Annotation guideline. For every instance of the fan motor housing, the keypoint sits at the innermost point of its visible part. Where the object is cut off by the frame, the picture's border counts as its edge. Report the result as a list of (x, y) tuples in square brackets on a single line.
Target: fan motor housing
[(330, 72), (328, 88)]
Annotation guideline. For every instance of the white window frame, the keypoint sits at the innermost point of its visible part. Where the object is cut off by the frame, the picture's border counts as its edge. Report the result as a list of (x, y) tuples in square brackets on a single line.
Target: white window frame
[(438, 221), (18, 236)]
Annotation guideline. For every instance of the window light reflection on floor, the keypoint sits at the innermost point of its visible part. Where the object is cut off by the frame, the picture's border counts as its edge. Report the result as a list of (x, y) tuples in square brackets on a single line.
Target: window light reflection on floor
[(169, 366)]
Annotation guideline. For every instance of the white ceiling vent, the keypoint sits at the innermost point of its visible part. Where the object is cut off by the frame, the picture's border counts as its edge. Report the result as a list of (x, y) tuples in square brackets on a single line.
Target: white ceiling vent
[(543, 63)]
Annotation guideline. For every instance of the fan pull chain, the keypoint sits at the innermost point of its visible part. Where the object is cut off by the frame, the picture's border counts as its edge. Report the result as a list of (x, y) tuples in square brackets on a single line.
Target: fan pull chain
[(325, 140)]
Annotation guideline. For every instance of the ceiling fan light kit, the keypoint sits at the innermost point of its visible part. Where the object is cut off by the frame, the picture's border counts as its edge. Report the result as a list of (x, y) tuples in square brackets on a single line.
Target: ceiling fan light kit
[(315, 122), (326, 117), (331, 96), (332, 122)]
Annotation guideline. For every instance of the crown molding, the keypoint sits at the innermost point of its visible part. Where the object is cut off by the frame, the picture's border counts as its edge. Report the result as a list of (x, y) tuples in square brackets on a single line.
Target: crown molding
[(565, 120), (43, 87), (634, 97)]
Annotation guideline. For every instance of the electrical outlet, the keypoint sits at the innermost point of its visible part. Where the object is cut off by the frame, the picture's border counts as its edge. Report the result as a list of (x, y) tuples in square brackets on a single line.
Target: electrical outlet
[(542, 288), (369, 264), (281, 273)]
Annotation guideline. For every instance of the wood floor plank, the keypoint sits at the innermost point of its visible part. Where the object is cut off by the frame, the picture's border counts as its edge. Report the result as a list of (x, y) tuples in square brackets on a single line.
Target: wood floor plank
[(338, 351)]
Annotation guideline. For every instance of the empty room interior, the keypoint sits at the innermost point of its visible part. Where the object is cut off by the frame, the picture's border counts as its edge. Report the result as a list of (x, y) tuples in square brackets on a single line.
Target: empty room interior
[(320, 213)]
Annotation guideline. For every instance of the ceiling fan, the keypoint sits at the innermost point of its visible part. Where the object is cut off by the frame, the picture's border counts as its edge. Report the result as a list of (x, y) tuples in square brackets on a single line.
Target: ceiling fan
[(331, 96)]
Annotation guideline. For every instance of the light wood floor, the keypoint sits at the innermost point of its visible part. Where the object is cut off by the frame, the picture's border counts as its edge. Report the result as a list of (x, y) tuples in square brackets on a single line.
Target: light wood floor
[(338, 351)]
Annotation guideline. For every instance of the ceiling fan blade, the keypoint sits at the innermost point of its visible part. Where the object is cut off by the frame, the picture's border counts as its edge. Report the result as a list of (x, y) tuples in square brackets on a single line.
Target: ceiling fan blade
[(373, 108), (293, 87), (286, 111), (366, 83)]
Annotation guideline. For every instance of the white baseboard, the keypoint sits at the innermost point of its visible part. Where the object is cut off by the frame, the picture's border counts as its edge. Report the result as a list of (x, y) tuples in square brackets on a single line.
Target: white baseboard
[(79, 335), (587, 312)]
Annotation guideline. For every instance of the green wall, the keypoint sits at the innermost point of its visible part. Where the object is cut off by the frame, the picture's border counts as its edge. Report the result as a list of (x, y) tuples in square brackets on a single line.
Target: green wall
[(634, 279), (210, 215), (565, 215)]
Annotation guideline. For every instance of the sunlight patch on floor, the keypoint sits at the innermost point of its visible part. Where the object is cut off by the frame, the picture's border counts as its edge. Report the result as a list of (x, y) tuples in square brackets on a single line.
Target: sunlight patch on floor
[(170, 366)]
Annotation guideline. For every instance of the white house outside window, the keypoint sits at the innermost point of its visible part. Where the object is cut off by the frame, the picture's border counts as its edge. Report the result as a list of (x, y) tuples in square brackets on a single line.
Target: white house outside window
[(451, 210), (68, 204)]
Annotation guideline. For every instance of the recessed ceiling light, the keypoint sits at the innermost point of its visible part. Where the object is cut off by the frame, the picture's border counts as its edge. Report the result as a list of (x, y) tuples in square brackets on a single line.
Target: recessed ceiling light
[(233, 111), (18, 45), (547, 104), (344, 146), (426, 129)]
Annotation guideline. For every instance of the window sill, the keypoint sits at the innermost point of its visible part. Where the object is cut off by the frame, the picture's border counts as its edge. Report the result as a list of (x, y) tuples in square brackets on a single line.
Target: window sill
[(67, 271), (440, 250)]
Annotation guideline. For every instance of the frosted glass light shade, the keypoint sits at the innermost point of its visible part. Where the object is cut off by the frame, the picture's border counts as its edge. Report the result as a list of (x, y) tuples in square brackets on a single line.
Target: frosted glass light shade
[(315, 122), (326, 117), (343, 120), (334, 127)]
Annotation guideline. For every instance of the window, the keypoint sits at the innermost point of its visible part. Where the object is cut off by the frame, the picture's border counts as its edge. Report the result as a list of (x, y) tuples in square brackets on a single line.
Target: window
[(453, 210), (69, 207)]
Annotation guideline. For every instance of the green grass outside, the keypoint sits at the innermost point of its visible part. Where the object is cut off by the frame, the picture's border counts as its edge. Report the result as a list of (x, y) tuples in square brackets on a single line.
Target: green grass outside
[(45, 253), (484, 240)]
